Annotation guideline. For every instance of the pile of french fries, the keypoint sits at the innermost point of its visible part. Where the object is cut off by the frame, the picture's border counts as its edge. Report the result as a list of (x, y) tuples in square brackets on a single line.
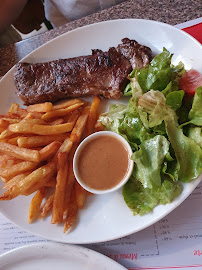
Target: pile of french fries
[(37, 146)]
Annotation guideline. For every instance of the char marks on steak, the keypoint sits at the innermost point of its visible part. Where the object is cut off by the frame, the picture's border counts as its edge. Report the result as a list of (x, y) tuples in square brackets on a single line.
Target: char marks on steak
[(102, 73)]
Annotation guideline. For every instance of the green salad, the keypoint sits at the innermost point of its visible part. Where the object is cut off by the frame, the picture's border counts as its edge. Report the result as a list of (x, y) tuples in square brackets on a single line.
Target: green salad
[(163, 127)]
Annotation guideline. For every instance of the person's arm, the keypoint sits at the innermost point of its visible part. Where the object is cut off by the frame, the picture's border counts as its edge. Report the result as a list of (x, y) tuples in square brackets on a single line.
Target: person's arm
[(9, 12)]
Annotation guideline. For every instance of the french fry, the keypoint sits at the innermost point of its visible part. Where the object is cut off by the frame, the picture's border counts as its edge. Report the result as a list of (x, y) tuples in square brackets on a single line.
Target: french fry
[(29, 121), (34, 209), (20, 113), (61, 112), (4, 180), (6, 134), (21, 127), (51, 183), (72, 151), (16, 179), (49, 150), (67, 104), (27, 128), (12, 120), (33, 121), (13, 141), (48, 205), (22, 188), (66, 145), (21, 167), (80, 195), (10, 116), (42, 107), (71, 178), (20, 153), (2, 130), (7, 161), (4, 123), (69, 185), (58, 203), (41, 140), (80, 125), (99, 126), (12, 162), (73, 117), (38, 185), (92, 118), (3, 160), (14, 108), (34, 115), (71, 214), (57, 121), (51, 130)]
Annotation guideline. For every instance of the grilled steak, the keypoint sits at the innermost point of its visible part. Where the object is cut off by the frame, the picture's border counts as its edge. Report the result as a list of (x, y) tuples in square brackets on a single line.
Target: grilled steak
[(138, 55), (102, 73)]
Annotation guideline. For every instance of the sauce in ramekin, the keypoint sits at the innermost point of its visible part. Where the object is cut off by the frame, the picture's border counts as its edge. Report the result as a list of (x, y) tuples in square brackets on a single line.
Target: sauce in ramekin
[(103, 162)]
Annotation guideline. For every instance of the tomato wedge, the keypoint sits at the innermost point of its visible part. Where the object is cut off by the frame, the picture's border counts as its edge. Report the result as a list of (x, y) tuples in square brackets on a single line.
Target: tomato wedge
[(190, 81)]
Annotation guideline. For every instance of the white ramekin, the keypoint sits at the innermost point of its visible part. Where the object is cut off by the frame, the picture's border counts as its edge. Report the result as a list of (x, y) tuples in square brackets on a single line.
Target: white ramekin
[(86, 141)]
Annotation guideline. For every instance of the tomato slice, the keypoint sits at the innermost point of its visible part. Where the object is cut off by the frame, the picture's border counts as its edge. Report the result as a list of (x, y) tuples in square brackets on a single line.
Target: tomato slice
[(190, 81)]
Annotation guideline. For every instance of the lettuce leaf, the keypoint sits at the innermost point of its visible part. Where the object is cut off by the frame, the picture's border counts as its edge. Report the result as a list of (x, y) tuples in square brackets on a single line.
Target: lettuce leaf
[(187, 151), (136, 88), (159, 73), (167, 90), (113, 118), (195, 133), (195, 114), (169, 191), (171, 169), (128, 90), (177, 72), (149, 160), (153, 103), (133, 129), (136, 76), (174, 99), (126, 122), (143, 200)]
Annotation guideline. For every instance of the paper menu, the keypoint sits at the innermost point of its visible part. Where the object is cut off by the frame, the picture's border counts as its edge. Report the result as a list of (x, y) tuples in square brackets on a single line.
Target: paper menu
[(175, 242)]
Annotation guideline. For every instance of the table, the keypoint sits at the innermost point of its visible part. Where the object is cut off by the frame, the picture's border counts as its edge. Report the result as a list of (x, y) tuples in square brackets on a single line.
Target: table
[(177, 236)]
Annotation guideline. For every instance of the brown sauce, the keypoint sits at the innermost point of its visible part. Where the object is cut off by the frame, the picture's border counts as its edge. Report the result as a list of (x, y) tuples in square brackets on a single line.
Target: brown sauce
[(103, 163)]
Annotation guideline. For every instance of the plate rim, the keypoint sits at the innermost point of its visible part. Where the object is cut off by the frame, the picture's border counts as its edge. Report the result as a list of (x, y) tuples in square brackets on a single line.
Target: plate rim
[(50, 246)]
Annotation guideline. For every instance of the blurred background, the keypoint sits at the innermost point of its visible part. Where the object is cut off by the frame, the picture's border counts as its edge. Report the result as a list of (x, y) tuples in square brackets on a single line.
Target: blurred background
[(32, 17), (31, 21)]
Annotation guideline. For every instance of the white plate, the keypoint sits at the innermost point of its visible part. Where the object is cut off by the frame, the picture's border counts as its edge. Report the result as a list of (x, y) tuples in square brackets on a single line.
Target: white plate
[(105, 217), (53, 256)]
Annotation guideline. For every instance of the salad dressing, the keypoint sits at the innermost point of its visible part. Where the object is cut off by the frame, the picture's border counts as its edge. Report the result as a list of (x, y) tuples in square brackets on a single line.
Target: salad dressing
[(103, 163)]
